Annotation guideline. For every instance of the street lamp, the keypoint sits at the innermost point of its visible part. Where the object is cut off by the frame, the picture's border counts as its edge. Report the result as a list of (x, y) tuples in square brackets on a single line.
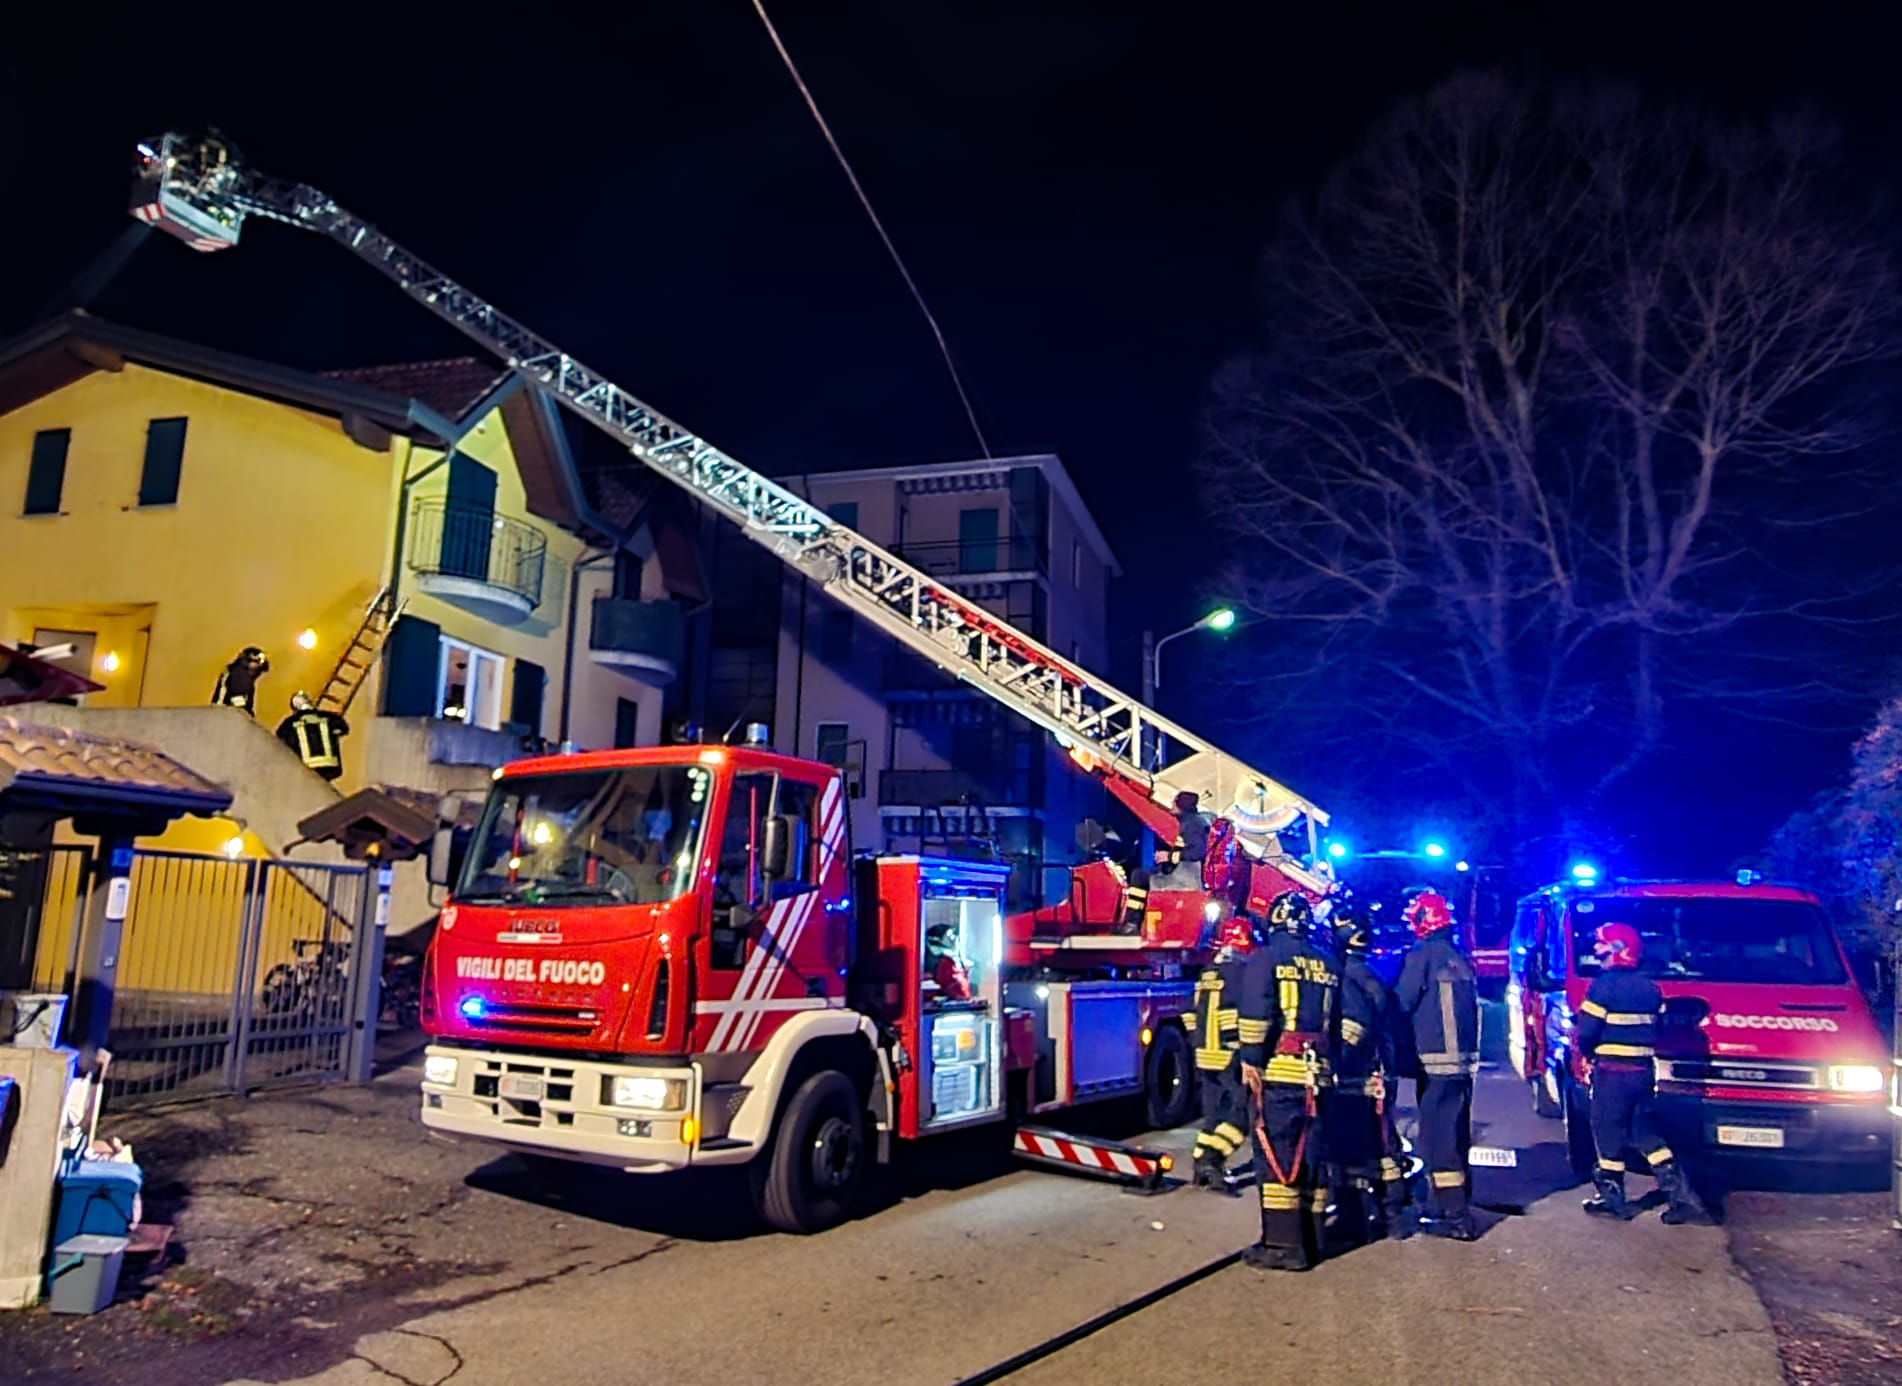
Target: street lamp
[(1218, 620)]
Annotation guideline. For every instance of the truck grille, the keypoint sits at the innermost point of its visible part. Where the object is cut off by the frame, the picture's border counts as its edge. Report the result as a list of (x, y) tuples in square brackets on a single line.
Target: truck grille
[(555, 1084), (548, 1020), (1719, 1073)]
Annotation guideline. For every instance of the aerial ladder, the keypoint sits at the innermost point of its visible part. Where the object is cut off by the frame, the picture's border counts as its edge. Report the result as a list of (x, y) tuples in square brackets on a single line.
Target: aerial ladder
[(199, 190)]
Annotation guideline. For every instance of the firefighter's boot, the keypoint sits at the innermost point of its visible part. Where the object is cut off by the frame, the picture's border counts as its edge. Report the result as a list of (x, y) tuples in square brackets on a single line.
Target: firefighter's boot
[(1684, 1206), (1211, 1172), (1609, 1201)]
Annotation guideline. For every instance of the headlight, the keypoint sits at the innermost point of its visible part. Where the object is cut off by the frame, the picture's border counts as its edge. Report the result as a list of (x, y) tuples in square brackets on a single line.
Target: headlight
[(440, 1069), (1856, 1078), (653, 1094)]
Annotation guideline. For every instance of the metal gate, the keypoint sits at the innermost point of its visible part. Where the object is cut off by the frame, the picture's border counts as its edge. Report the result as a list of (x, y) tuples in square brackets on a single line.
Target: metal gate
[(232, 974)]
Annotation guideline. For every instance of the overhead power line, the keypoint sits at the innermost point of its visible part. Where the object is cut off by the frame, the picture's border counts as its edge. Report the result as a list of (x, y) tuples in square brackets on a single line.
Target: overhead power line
[(917, 295)]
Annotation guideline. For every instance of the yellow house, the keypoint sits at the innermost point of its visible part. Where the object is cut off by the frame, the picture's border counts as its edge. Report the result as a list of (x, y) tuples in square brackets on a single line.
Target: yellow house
[(163, 506)]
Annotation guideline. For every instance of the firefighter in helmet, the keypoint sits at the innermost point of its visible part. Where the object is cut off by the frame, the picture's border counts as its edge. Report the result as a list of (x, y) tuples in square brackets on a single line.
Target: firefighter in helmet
[(316, 734), (1617, 1030), (1363, 1145), (1437, 998), (1287, 1007), (945, 968), (1212, 1023), (238, 683)]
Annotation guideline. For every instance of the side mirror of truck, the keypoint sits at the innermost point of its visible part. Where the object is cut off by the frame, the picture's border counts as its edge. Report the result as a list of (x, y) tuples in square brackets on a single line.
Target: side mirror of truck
[(775, 854), (444, 859)]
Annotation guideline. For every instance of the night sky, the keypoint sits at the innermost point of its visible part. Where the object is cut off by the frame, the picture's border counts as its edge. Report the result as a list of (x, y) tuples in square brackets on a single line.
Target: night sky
[(1082, 198)]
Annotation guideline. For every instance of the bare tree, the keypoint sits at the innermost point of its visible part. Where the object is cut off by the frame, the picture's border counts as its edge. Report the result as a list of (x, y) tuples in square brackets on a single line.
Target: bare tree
[(1545, 378)]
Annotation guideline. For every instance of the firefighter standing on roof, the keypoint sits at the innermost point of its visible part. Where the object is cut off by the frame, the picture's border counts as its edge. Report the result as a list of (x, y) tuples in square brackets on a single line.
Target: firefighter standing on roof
[(1437, 995), (1617, 1029), (1287, 1010), (1214, 1025), (1363, 1146)]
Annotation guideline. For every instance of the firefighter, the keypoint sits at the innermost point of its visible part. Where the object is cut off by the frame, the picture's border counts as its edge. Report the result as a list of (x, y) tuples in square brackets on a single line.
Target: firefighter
[(1617, 1028), (1437, 998), (947, 969), (1287, 1009), (238, 684), (316, 734), (1363, 1145), (1193, 827), (1213, 1024)]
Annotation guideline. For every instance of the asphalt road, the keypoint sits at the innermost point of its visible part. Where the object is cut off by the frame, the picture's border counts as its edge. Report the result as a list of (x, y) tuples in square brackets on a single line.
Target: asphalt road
[(970, 1262)]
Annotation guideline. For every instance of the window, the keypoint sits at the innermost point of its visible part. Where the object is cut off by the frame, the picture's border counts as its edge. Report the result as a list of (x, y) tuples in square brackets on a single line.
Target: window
[(627, 714), (46, 473), (590, 837), (845, 512), (84, 643), (736, 889), (1714, 938), (469, 685), (525, 704), (830, 743), (977, 541), (835, 637), (797, 804), (164, 455)]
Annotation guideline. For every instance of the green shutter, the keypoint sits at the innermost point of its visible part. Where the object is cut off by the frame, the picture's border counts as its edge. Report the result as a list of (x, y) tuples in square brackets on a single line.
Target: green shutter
[(411, 661), (46, 475), (164, 457)]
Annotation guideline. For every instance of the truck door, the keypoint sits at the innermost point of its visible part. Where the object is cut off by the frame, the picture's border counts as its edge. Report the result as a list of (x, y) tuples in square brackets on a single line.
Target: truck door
[(961, 1006)]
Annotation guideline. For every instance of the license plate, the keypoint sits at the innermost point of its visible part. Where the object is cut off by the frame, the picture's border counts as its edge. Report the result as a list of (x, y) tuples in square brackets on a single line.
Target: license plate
[(1492, 1157), (1767, 1137), (521, 1087)]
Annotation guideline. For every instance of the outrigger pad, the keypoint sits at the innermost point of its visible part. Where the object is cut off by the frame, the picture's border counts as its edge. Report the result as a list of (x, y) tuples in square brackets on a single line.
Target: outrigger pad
[(1140, 1171)]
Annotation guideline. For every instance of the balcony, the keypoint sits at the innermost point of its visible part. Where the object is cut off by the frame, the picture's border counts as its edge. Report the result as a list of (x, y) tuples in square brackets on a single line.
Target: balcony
[(479, 560), (643, 640), (943, 788), (953, 558)]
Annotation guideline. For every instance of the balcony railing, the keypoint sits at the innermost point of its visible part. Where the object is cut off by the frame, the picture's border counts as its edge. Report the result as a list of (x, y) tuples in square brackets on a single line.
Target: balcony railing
[(472, 548), (1015, 553), (645, 639), (939, 788)]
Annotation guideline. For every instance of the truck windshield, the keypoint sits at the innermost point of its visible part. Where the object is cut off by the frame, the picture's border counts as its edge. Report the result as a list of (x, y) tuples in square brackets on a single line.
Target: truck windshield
[(589, 837), (1715, 939)]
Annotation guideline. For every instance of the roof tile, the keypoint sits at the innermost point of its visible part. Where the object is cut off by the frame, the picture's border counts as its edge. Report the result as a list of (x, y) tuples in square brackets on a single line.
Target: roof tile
[(82, 757), (449, 387)]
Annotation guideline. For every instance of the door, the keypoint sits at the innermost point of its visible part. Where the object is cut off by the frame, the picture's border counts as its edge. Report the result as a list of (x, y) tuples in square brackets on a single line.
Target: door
[(961, 1018), (977, 541)]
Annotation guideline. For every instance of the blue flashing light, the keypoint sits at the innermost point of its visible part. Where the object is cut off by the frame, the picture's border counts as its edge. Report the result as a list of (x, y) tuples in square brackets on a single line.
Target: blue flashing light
[(1584, 871), (1435, 849), (1462, 866), (472, 1007), (1747, 877), (1337, 850)]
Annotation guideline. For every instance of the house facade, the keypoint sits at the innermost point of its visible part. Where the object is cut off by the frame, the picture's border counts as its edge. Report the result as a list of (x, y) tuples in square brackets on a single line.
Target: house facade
[(163, 506), (931, 765)]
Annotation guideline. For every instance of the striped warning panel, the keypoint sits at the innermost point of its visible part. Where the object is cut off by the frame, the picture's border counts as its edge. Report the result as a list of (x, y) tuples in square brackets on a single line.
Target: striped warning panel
[(1090, 1156)]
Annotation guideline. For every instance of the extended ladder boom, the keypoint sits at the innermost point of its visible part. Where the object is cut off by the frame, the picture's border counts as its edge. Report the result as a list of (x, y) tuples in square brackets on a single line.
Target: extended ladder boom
[(199, 191)]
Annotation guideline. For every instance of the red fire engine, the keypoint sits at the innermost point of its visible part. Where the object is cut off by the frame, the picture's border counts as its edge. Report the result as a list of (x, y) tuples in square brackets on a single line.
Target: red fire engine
[(1766, 1045), (668, 958)]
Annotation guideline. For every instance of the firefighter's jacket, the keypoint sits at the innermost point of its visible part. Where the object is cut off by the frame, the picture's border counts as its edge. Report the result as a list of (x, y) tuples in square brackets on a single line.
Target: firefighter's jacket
[(1289, 991), (314, 734), (1437, 998), (1361, 1031), (1619, 1017), (1214, 1022)]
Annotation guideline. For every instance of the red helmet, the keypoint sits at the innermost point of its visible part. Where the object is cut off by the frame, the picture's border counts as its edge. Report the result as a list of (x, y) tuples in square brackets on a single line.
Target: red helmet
[(1618, 945), (1429, 913), (1239, 933)]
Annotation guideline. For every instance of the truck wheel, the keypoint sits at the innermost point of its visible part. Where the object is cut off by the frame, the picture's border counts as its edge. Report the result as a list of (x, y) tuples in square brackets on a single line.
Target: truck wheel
[(809, 1178), (1169, 1080), (1542, 1103), (1581, 1152)]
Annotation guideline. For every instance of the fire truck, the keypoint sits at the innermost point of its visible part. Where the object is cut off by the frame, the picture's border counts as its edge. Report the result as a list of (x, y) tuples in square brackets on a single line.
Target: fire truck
[(670, 958), (1766, 1045)]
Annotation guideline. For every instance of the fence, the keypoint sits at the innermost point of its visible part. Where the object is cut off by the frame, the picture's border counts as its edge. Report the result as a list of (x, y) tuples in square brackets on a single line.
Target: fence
[(232, 974)]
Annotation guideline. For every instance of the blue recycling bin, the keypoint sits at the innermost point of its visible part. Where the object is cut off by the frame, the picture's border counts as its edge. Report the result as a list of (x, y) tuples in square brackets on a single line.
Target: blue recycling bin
[(95, 1198)]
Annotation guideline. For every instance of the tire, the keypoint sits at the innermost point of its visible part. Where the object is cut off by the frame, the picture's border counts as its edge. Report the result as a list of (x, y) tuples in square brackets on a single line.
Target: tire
[(283, 990), (1168, 1080), (810, 1178), (1581, 1153), (1542, 1101)]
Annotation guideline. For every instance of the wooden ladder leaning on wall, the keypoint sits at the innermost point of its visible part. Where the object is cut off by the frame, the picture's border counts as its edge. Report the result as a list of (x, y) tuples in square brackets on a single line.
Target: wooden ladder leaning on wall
[(354, 664)]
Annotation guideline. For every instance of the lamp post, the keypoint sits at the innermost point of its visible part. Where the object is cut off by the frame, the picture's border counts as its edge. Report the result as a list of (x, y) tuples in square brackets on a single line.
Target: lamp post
[(1220, 619)]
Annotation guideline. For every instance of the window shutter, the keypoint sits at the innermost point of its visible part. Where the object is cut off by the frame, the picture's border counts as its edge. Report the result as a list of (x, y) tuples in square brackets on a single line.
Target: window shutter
[(411, 661), (164, 457), (525, 704), (46, 475)]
